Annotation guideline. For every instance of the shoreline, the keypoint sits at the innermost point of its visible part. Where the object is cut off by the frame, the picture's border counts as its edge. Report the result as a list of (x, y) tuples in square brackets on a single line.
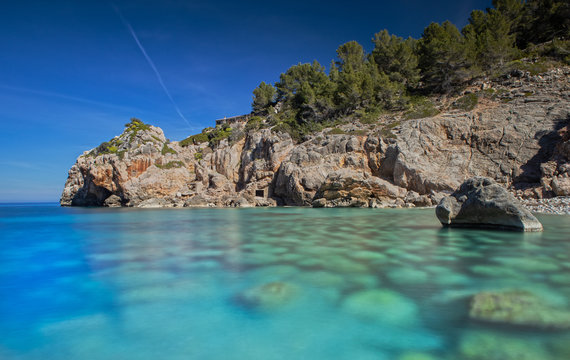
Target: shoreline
[(559, 205)]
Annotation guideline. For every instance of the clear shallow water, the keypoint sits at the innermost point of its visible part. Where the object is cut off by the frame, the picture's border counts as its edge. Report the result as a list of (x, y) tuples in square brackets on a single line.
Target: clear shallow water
[(352, 284)]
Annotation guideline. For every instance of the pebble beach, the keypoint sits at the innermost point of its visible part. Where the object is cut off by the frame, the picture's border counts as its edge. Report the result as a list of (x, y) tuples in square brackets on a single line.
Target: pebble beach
[(558, 205)]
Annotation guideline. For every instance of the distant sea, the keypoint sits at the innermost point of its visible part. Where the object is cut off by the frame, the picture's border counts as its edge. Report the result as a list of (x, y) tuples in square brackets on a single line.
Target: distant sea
[(18, 204), (267, 283)]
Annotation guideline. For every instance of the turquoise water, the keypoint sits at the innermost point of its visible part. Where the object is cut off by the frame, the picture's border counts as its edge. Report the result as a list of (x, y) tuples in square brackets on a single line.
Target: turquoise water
[(79, 283)]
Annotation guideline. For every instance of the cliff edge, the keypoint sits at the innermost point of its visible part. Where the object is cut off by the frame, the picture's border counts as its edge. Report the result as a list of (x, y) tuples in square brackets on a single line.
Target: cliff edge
[(518, 134)]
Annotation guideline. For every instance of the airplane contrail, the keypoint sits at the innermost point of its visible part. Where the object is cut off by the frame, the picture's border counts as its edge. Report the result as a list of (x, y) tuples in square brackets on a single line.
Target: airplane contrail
[(150, 62)]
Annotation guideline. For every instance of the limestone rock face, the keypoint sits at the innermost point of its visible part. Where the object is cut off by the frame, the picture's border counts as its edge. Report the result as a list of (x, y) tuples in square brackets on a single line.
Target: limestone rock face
[(115, 169), (481, 202), (556, 172), (346, 189), (519, 140)]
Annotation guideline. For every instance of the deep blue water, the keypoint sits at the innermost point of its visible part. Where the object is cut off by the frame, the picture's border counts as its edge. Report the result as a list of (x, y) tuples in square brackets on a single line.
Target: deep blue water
[(82, 283)]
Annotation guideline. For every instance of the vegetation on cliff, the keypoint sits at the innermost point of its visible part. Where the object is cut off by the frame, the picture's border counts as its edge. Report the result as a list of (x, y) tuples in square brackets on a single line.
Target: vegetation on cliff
[(399, 73), (212, 136), (403, 76), (119, 145)]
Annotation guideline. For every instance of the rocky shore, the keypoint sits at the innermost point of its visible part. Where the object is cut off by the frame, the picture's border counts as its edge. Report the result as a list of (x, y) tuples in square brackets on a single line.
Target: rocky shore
[(518, 134), (558, 205)]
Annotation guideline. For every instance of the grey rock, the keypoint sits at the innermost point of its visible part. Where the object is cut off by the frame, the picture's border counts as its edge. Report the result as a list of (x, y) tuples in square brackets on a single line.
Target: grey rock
[(319, 203), (561, 186), (525, 145), (481, 202), (240, 202), (113, 201), (153, 203), (196, 201)]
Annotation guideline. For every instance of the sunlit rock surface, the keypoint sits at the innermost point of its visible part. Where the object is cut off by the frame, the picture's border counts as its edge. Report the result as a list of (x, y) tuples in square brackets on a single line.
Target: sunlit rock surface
[(481, 202), (520, 141)]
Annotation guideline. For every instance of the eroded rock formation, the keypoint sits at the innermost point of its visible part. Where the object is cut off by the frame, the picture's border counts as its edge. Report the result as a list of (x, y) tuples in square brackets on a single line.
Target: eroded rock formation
[(518, 136)]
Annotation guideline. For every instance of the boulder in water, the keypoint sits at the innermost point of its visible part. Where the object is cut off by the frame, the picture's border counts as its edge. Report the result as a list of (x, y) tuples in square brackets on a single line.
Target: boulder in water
[(481, 202)]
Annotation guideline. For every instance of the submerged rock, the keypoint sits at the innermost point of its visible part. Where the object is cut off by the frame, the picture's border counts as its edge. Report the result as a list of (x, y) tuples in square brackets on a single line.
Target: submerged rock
[(492, 346), (383, 306), (518, 307), (416, 356), (481, 202), (407, 276), (268, 296)]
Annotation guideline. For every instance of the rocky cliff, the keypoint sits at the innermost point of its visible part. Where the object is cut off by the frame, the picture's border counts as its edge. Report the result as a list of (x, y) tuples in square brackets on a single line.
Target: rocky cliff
[(517, 134)]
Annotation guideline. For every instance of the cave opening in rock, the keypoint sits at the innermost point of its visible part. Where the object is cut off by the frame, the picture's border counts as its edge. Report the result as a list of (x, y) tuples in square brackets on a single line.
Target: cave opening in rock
[(260, 193)]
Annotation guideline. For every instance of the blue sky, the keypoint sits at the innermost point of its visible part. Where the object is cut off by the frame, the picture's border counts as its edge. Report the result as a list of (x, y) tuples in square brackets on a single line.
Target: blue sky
[(71, 73)]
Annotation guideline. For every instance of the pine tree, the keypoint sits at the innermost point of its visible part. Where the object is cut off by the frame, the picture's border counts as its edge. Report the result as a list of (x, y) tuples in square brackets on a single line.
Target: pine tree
[(351, 56), (333, 73), (303, 76), (395, 57), (352, 76), (443, 57), (489, 38), (511, 9), (263, 96), (497, 41), (544, 20)]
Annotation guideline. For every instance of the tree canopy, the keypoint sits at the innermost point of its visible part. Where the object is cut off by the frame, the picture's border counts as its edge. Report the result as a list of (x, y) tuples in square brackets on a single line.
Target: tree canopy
[(443, 60), (263, 96)]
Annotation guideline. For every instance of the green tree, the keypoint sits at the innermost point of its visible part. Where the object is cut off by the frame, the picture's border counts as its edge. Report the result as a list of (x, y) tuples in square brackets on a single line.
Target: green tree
[(354, 81), (263, 96), (360, 84), (443, 57), (351, 57), (490, 39), (396, 58), (544, 20), (512, 10), (293, 86), (333, 73)]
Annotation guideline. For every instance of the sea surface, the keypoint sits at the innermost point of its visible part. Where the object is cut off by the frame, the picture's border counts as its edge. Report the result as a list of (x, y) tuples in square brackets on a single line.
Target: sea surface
[(276, 283)]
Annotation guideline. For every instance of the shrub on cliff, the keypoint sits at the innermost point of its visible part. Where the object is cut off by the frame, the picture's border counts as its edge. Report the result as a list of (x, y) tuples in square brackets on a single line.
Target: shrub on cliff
[(211, 135), (167, 150), (420, 107), (194, 139), (218, 134), (170, 165), (254, 123), (466, 102)]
